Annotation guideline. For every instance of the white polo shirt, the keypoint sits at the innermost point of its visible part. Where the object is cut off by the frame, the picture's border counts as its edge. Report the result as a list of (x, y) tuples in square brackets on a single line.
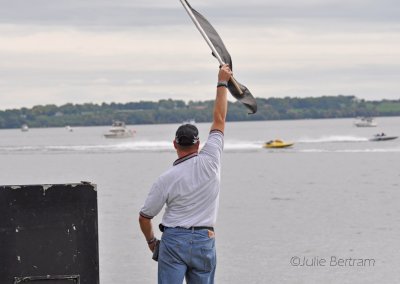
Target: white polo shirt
[(190, 189)]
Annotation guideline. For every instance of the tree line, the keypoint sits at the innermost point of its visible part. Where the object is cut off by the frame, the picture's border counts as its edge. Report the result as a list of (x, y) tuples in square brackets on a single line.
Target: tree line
[(177, 111)]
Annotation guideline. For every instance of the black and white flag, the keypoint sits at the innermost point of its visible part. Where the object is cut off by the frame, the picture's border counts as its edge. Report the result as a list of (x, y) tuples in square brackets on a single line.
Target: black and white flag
[(239, 91)]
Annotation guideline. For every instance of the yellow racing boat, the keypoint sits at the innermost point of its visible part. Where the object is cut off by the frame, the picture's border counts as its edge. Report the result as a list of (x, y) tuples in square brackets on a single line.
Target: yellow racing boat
[(277, 144)]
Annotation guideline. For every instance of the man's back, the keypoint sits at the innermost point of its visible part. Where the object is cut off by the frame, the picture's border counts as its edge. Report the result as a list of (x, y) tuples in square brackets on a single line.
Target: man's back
[(191, 186)]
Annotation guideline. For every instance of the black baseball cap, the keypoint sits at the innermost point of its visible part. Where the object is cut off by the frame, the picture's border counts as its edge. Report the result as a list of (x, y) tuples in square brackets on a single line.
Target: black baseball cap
[(187, 135)]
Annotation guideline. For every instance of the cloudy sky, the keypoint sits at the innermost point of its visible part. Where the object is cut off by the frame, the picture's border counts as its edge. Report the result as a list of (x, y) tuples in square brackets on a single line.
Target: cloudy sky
[(70, 51)]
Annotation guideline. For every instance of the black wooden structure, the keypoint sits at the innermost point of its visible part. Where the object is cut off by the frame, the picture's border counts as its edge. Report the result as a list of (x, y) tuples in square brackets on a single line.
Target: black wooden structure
[(48, 234)]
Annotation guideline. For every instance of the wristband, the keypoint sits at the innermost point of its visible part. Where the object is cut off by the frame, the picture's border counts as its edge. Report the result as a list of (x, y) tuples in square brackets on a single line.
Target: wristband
[(222, 84), (149, 242)]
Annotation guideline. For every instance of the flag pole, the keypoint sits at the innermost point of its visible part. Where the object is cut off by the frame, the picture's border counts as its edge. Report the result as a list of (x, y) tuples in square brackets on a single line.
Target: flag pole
[(208, 41), (202, 32)]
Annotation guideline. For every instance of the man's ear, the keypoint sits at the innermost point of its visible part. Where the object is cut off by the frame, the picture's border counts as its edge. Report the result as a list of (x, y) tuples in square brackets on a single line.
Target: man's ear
[(175, 146)]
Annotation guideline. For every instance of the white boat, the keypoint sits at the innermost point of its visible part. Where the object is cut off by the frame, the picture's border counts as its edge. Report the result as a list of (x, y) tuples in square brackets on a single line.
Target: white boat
[(382, 137), (365, 122), (24, 128), (189, 121), (69, 128), (119, 130)]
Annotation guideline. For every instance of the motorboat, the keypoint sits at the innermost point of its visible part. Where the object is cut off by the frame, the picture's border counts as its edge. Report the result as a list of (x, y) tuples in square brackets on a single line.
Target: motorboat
[(189, 121), (382, 137), (119, 130), (277, 143), (24, 128), (365, 122), (69, 128)]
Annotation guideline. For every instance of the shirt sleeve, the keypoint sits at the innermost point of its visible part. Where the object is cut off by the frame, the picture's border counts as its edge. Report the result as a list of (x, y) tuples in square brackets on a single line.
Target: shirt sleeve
[(214, 145), (154, 202)]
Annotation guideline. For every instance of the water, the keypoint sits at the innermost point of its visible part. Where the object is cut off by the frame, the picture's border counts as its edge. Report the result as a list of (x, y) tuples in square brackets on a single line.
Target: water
[(334, 194)]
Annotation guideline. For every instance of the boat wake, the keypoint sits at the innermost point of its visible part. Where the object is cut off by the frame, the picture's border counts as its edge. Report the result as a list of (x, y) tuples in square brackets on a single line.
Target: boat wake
[(368, 150), (305, 145), (333, 139), (135, 146), (101, 148)]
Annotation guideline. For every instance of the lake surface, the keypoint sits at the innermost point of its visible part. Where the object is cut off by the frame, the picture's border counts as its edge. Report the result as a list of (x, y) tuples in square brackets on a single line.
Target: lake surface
[(324, 211)]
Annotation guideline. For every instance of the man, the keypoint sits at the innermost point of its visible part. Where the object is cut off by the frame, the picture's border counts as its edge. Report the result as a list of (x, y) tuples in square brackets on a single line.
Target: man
[(190, 190)]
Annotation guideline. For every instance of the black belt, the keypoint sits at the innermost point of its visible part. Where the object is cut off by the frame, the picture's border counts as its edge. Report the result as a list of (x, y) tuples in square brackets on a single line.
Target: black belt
[(198, 228), (195, 228)]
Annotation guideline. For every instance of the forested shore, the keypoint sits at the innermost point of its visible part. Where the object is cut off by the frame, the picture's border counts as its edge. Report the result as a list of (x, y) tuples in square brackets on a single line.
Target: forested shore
[(177, 111)]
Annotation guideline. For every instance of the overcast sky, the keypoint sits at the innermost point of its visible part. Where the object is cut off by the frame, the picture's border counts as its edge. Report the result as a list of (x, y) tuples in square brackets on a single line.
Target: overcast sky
[(70, 51)]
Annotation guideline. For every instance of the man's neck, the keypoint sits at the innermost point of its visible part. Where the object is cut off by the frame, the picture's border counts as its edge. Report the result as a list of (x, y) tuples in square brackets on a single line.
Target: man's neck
[(182, 154)]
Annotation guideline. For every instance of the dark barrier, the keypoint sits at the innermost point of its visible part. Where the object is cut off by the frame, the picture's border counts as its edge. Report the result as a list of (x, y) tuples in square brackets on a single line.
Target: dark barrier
[(48, 234)]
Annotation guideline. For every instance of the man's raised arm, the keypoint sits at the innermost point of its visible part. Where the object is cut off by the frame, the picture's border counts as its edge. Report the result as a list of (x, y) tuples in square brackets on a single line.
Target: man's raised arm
[(221, 102)]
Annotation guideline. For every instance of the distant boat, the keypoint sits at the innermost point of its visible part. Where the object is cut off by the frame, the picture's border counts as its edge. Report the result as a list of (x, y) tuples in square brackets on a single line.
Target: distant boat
[(382, 137), (69, 128), (24, 128), (277, 144), (119, 130), (365, 122), (189, 121)]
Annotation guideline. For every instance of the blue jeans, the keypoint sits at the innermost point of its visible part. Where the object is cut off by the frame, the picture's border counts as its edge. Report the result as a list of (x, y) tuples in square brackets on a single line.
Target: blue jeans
[(186, 253)]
